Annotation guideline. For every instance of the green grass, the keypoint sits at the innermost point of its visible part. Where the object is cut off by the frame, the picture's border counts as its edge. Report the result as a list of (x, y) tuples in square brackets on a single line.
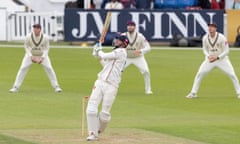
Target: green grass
[(212, 118), (10, 140)]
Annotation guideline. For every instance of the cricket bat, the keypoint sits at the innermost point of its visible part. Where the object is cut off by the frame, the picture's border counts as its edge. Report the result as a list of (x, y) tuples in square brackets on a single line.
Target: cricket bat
[(105, 27)]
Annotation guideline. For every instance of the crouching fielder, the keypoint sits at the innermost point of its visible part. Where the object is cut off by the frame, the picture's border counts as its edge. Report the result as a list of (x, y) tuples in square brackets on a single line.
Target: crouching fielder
[(36, 51), (215, 48), (106, 86), (137, 48)]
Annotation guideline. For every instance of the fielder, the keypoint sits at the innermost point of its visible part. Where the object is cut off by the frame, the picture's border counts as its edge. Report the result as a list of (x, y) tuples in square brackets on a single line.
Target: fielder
[(138, 46), (106, 86), (215, 49), (36, 51)]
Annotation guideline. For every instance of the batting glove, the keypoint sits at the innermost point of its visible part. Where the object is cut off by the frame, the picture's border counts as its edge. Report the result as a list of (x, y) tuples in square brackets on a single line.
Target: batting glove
[(97, 47), (95, 54)]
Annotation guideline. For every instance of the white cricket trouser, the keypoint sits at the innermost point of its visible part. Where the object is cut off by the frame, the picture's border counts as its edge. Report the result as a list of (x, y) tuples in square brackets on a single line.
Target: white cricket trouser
[(102, 92), (27, 62), (224, 65), (141, 63)]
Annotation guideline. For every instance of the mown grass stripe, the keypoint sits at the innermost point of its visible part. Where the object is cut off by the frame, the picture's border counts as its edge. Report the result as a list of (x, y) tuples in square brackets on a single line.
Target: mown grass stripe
[(11, 140)]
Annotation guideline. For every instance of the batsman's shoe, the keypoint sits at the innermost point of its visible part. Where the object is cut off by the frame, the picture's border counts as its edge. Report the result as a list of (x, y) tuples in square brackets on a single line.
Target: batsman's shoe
[(58, 89), (92, 137), (238, 96), (13, 90), (149, 92), (191, 95)]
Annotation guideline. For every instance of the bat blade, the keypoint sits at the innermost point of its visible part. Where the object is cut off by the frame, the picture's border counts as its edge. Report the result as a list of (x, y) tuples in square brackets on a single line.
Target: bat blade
[(105, 27)]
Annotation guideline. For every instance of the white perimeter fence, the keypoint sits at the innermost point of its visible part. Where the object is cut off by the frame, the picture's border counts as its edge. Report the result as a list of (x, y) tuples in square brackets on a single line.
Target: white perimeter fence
[(16, 25)]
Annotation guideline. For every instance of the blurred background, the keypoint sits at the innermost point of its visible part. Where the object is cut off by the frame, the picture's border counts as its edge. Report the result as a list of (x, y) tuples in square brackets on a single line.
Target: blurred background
[(163, 22)]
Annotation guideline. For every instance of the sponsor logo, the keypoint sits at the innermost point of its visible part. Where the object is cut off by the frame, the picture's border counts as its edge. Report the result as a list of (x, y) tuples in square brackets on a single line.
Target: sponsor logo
[(156, 25)]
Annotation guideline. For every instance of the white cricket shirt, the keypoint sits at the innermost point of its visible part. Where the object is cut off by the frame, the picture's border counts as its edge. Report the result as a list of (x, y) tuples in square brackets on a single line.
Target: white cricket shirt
[(36, 45), (113, 63), (217, 46)]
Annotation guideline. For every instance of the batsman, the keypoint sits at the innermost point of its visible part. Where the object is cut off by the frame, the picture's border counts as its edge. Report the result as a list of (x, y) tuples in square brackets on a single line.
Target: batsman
[(106, 86)]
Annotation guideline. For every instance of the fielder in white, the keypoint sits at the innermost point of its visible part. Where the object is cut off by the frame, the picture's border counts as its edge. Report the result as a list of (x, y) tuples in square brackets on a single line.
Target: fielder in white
[(138, 46), (215, 49), (36, 48), (106, 86)]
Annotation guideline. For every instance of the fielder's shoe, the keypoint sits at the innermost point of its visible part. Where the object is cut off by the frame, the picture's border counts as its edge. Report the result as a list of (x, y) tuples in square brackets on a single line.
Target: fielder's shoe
[(13, 90), (148, 92), (191, 95), (92, 137), (58, 89)]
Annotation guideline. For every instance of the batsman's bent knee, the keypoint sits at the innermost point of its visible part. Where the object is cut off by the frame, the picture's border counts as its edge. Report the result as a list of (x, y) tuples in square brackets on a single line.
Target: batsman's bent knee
[(105, 116)]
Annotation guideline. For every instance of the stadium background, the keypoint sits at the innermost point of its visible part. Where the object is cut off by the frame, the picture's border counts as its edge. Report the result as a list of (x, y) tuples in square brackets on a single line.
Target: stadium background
[(38, 115), (16, 22)]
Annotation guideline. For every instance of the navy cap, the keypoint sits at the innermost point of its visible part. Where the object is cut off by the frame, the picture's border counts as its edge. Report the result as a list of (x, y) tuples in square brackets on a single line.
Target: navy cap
[(123, 38), (213, 25), (130, 22), (37, 26)]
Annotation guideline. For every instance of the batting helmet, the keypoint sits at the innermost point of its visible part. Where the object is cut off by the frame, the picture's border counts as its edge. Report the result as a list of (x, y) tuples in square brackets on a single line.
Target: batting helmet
[(123, 38)]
